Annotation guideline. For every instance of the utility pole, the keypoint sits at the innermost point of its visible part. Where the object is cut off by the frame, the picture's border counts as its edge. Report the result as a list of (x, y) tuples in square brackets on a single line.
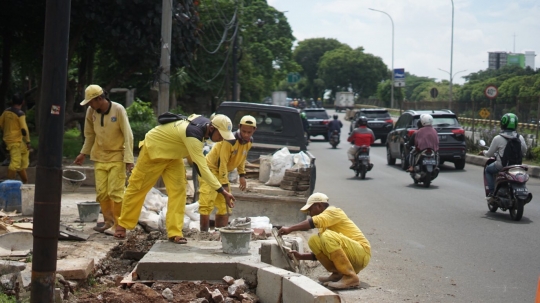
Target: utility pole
[(48, 192), (165, 63)]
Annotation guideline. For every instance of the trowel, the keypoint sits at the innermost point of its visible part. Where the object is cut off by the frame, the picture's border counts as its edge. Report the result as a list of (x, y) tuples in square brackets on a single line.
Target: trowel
[(293, 263)]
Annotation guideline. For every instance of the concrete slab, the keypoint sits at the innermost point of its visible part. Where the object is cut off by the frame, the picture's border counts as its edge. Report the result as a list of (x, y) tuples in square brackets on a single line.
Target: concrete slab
[(7, 267), (16, 244), (270, 284), (303, 289), (76, 269)]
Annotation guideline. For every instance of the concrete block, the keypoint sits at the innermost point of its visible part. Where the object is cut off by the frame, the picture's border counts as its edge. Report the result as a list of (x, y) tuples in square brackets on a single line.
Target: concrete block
[(27, 199), (8, 267), (271, 254), (248, 271), (301, 289), (9, 281), (270, 280), (76, 269)]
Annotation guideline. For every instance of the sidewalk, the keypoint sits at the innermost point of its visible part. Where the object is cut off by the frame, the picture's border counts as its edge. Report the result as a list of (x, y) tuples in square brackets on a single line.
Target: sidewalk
[(534, 171)]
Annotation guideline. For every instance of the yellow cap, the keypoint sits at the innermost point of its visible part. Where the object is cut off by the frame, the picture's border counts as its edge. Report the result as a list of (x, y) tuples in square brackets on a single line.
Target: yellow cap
[(224, 126), (314, 198), (91, 92), (248, 120)]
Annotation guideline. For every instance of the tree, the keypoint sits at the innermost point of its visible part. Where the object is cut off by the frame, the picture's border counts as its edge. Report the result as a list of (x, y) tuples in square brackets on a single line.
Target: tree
[(308, 54), (384, 93), (344, 67)]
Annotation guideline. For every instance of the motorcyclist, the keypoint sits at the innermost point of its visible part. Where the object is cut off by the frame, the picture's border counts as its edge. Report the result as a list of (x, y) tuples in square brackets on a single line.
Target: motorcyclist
[(333, 125), (426, 137), (312, 103), (319, 102), (305, 124), (410, 144), (509, 123), (361, 135)]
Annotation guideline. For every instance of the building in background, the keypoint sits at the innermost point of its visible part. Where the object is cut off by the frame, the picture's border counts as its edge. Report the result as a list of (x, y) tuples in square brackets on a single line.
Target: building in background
[(497, 60)]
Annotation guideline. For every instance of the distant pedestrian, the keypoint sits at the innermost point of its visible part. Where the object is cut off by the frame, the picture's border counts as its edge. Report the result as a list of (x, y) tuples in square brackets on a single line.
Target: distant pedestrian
[(108, 140), (17, 138)]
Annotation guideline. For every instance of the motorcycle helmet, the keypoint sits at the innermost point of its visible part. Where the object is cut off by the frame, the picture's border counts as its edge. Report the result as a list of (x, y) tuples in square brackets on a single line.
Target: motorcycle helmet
[(362, 121), (419, 124), (509, 122), (335, 117), (426, 119), (303, 115)]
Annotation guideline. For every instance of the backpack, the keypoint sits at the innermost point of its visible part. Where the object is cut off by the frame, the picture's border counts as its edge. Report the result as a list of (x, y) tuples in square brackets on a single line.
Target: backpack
[(512, 152), (169, 117)]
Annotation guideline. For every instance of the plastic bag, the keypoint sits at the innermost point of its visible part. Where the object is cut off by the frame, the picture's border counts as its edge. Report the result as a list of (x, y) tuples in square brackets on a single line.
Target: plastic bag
[(281, 161), (155, 200), (301, 161), (149, 219)]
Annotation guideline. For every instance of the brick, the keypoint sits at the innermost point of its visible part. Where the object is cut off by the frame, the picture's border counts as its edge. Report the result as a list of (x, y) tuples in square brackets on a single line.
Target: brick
[(288, 187), (75, 269), (302, 187), (301, 289), (290, 178), (284, 182)]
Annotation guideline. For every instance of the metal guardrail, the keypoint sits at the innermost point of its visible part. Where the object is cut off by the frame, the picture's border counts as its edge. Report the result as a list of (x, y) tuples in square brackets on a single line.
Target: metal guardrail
[(496, 123)]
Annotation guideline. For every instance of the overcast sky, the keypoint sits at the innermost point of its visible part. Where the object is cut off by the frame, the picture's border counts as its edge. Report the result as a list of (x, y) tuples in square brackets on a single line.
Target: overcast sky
[(422, 30)]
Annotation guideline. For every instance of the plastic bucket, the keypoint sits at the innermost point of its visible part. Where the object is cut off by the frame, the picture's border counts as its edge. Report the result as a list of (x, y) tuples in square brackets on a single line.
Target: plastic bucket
[(264, 168), (10, 195), (88, 211), (72, 179), (235, 242)]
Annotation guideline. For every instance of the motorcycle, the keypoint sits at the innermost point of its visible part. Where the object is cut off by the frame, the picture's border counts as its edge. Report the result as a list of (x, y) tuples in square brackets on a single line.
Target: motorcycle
[(425, 168), (334, 138), (511, 191), (361, 162)]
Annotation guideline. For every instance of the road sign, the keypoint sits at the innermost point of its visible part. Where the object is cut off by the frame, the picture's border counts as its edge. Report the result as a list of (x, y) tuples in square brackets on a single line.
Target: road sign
[(484, 113), (434, 93), (293, 78), (491, 91), (399, 77)]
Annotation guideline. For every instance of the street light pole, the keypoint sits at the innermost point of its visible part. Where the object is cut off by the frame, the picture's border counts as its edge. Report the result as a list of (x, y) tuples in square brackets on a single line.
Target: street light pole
[(451, 54), (392, 78), (451, 81)]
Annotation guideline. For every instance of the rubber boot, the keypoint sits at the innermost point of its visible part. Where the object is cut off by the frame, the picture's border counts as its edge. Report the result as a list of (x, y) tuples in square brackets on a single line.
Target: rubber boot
[(116, 211), (11, 174), (107, 211), (24, 177), (343, 266), (329, 265), (205, 222), (222, 220)]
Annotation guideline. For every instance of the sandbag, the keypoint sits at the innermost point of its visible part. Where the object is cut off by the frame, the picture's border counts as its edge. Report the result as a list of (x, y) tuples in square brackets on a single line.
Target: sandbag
[(281, 161), (301, 161)]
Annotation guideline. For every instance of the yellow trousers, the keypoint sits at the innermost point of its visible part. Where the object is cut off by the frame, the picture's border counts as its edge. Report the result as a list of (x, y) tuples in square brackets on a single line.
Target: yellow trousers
[(143, 178), (110, 186), (330, 241), (18, 152), (210, 198)]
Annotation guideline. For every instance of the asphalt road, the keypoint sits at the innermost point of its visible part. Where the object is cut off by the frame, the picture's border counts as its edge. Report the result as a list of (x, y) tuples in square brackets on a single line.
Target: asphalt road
[(436, 244)]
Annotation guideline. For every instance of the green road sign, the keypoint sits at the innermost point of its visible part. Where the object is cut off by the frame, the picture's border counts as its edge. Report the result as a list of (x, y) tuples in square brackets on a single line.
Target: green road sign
[(293, 78)]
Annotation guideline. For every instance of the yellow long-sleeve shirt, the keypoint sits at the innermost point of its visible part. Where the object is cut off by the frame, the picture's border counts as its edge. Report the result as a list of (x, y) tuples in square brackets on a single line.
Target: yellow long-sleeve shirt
[(225, 156), (108, 136), (181, 139), (13, 124), (335, 219)]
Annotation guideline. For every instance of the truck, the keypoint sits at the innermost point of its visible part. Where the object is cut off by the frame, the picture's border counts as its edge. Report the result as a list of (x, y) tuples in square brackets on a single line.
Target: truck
[(344, 100), (280, 98)]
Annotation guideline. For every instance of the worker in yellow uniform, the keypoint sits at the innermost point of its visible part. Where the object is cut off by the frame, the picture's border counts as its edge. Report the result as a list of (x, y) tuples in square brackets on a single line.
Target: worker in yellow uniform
[(17, 138), (161, 154), (108, 140), (223, 158), (340, 245)]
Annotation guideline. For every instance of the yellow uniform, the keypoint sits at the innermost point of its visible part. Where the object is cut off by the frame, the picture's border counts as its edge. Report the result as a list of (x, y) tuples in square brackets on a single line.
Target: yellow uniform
[(109, 142), (337, 231), (16, 137), (162, 153), (223, 158)]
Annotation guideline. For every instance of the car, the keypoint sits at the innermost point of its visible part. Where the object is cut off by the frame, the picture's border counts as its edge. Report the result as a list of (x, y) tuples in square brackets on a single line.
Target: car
[(452, 145), (277, 127), (379, 121), (318, 120)]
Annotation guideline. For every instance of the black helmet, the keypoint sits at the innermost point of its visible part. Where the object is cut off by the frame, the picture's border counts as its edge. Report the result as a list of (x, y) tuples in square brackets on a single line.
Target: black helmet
[(509, 122), (335, 117), (419, 123), (362, 121)]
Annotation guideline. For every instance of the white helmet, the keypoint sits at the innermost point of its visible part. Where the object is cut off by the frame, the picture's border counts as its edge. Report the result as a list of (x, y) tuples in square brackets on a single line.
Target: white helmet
[(426, 119)]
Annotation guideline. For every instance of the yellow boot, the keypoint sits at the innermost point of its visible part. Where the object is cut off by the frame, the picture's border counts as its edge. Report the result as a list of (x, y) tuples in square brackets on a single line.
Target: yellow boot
[(11, 174), (343, 266), (205, 222), (222, 220), (24, 177), (329, 265), (116, 211), (107, 212)]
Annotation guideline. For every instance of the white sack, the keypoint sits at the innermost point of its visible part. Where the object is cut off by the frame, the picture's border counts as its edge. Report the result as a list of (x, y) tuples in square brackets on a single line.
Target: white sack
[(301, 161), (281, 161), (149, 219)]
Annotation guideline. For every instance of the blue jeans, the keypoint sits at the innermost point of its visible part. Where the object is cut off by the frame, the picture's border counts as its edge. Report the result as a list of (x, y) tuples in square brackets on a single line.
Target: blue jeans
[(490, 172)]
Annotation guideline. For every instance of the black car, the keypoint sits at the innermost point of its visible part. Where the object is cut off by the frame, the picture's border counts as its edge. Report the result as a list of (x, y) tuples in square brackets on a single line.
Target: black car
[(451, 137), (379, 121), (318, 120)]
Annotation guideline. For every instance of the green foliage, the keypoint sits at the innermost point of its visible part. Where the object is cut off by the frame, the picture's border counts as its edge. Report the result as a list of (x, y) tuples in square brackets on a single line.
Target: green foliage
[(7, 299), (384, 93), (30, 119), (72, 143), (142, 119)]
